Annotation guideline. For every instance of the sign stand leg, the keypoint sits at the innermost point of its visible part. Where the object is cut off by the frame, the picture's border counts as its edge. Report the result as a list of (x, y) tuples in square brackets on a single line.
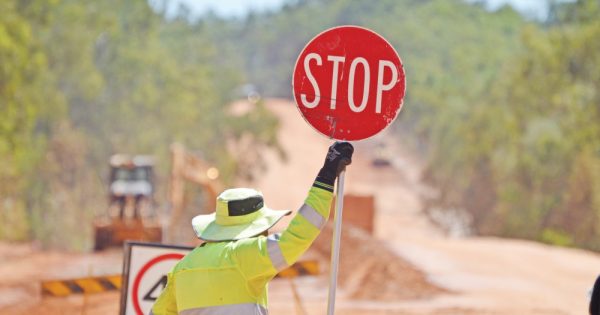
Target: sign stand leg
[(335, 244)]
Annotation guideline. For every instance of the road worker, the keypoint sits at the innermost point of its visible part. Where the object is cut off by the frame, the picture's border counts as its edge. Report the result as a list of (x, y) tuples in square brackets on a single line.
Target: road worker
[(228, 274)]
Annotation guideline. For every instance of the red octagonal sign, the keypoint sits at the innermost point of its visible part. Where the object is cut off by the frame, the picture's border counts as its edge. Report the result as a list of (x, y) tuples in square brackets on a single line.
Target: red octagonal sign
[(349, 83)]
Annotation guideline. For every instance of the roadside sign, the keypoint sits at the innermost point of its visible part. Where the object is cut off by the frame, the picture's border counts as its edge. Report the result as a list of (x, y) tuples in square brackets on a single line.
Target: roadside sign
[(349, 83), (145, 271)]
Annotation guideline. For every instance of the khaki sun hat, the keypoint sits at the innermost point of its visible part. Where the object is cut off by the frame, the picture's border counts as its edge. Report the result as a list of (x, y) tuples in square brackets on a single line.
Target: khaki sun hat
[(241, 213)]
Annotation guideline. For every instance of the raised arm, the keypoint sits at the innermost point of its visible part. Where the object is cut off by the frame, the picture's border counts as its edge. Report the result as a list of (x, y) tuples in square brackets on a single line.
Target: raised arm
[(281, 250)]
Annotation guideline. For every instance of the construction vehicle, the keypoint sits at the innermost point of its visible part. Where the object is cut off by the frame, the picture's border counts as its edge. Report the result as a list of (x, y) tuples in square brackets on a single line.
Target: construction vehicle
[(382, 156), (131, 213)]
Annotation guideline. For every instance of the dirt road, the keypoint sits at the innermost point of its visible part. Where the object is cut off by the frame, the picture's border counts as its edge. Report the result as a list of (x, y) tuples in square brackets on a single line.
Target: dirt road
[(484, 275), (477, 275)]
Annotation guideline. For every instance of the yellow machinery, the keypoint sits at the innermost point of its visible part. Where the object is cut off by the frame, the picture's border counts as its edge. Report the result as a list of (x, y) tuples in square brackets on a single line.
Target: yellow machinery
[(132, 214)]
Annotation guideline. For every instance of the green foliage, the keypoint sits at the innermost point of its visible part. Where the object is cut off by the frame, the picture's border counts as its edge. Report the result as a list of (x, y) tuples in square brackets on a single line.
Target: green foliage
[(535, 136), (555, 237), (26, 104), (504, 111), (82, 80)]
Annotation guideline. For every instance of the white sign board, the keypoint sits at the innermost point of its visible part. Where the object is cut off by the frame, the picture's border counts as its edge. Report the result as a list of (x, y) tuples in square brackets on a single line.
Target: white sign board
[(145, 271)]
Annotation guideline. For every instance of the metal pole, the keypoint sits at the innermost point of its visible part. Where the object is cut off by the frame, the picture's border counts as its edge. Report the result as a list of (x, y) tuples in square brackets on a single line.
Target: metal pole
[(335, 243)]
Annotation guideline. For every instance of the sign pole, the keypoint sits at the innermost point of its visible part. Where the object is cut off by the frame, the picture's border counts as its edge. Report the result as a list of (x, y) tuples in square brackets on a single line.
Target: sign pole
[(329, 75), (335, 243)]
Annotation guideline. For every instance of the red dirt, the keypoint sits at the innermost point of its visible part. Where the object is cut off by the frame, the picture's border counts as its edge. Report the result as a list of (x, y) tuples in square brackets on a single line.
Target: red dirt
[(399, 270), (370, 270)]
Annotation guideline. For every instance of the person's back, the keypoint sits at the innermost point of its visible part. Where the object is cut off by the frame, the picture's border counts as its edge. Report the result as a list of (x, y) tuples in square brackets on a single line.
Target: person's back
[(212, 273), (229, 273)]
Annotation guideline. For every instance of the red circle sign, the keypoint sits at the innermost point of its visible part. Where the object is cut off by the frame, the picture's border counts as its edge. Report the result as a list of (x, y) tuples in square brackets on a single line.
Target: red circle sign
[(140, 275), (349, 83)]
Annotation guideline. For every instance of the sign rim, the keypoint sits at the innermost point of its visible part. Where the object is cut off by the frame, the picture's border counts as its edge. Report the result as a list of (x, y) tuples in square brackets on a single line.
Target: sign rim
[(143, 270), (128, 246), (362, 28)]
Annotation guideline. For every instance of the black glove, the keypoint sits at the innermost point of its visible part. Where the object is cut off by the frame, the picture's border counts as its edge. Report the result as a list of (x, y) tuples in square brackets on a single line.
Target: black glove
[(338, 156)]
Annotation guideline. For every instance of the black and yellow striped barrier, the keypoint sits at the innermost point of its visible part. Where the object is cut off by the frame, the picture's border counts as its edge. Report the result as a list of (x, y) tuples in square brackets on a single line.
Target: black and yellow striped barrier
[(91, 285), (81, 285), (301, 268)]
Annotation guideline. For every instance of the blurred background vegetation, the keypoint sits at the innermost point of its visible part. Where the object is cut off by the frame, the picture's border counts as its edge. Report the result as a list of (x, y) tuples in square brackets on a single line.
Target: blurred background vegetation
[(504, 110), (82, 80)]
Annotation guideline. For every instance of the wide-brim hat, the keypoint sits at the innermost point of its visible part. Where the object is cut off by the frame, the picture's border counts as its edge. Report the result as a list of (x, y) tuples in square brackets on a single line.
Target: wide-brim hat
[(241, 213)]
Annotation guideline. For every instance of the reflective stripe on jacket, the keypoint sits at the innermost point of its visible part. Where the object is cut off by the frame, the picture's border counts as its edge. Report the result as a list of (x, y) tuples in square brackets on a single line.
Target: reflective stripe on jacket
[(230, 278)]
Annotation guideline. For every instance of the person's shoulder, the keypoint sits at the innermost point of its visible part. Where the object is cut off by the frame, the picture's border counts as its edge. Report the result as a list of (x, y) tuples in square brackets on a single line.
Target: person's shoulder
[(249, 240), (245, 243), (190, 259)]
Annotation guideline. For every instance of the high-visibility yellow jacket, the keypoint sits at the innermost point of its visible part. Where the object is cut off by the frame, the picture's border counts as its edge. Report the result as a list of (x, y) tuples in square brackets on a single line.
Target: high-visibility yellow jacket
[(230, 278)]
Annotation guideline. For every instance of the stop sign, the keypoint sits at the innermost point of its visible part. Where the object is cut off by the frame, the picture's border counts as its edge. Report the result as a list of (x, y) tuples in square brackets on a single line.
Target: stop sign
[(349, 83)]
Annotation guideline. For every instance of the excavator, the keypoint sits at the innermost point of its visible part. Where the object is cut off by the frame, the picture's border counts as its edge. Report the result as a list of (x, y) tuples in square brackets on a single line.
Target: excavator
[(132, 212)]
